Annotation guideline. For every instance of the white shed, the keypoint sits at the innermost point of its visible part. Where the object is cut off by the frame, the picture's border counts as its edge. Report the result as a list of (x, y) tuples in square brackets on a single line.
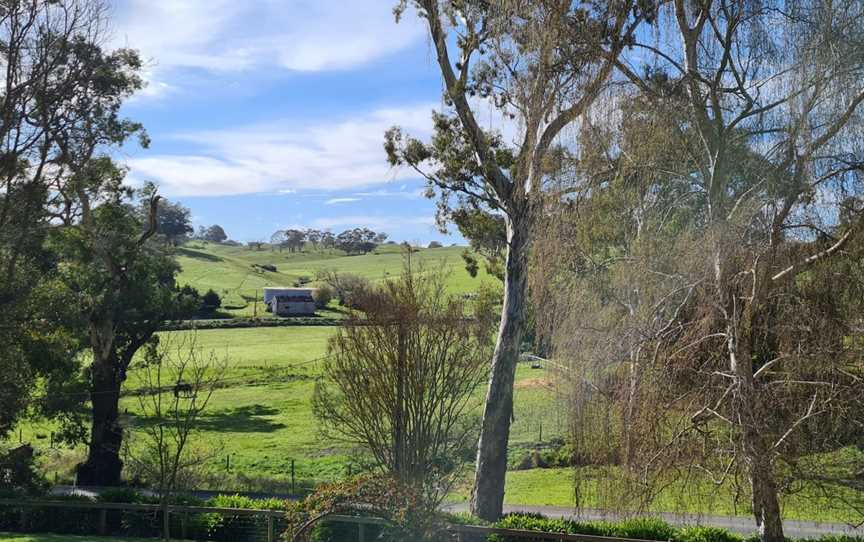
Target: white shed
[(290, 301)]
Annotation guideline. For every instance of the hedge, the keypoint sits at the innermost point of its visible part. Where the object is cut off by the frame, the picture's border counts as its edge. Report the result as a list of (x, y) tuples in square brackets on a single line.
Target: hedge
[(237, 323)]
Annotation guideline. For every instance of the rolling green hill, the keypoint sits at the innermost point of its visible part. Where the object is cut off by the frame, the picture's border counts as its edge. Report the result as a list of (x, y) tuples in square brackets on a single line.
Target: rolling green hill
[(230, 271)]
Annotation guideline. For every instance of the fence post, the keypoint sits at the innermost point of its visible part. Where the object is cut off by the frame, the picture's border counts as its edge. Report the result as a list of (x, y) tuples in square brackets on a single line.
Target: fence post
[(270, 531), (361, 532), (103, 522)]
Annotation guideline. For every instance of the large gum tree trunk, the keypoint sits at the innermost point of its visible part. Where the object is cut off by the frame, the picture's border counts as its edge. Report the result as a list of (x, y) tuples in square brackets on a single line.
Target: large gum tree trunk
[(487, 498), (103, 465)]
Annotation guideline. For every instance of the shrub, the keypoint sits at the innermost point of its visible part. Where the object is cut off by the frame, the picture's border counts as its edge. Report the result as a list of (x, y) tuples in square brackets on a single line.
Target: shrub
[(19, 473), (322, 296), (226, 527), (643, 528), (705, 534), (125, 495), (435, 244), (210, 302)]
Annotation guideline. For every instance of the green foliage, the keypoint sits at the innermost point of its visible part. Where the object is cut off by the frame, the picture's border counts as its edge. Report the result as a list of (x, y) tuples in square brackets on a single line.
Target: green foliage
[(246, 503), (706, 534), (210, 302), (323, 295), (643, 529), (214, 233), (174, 221), (18, 473), (638, 528)]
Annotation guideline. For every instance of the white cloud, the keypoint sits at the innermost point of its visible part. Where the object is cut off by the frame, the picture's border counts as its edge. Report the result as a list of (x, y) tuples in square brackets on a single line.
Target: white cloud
[(282, 156), (401, 193), (334, 201), (373, 221), (231, 35)]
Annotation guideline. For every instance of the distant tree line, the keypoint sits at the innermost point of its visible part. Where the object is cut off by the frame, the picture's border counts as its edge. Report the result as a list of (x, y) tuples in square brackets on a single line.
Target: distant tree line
[(354, 241)]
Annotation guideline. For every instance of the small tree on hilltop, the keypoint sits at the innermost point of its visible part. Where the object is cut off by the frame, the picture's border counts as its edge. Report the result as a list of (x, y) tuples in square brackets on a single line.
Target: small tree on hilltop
[(215, 234), (402, 378)]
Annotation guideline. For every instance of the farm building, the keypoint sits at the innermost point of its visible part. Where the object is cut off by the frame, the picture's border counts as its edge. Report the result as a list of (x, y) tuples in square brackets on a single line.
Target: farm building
[(289, 301)]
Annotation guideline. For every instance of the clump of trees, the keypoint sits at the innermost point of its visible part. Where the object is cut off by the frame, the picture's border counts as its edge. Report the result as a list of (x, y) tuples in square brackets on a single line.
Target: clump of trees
[(354, 241), (174, 221), (214, 234), (350, 290), (401, 379)]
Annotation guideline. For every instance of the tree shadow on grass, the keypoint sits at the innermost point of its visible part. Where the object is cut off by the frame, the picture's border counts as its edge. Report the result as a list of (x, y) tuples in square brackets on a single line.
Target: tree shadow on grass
[(245, 419), (189, 253)]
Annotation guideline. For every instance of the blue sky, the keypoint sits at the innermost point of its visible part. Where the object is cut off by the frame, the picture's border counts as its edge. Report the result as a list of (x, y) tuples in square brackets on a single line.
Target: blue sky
[(267, 114)]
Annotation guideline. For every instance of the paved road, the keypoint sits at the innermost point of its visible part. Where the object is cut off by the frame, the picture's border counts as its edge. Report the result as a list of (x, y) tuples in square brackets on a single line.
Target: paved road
[(742, 525)]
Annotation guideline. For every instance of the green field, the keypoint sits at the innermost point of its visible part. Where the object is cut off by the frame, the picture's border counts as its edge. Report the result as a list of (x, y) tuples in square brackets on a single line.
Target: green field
[(263, 419), (229, 271)]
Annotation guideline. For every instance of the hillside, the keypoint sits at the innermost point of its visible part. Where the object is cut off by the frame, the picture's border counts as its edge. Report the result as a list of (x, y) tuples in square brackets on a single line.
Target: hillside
[(229, 270)]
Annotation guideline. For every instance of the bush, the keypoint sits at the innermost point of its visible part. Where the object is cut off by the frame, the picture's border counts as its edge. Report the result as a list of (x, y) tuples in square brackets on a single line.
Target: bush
[(641, 528), (644, 529), (322, 296), (705, 534), (210, 302), (435, 244), (19, 473), (225, 527)]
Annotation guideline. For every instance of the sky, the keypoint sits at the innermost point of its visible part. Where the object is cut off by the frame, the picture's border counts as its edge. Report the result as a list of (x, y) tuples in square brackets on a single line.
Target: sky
[(270, 114)]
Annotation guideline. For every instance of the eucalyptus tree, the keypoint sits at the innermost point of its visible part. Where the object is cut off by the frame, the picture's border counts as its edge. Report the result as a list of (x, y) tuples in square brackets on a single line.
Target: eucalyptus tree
[(124, 286), (540, 64), (48, 84)]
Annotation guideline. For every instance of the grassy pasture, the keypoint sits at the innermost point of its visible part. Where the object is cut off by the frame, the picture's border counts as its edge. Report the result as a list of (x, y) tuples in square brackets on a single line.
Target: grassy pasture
[(263, 419), (228, 270)]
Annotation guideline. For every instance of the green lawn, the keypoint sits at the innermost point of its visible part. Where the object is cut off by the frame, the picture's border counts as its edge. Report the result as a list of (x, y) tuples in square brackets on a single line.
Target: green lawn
[(229, 270)]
